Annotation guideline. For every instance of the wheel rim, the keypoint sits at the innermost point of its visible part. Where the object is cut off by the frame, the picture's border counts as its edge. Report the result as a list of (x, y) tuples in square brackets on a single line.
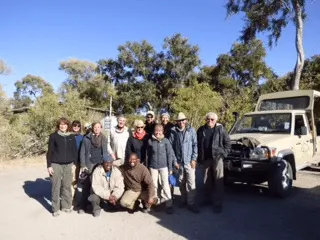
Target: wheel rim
[(286, 176)]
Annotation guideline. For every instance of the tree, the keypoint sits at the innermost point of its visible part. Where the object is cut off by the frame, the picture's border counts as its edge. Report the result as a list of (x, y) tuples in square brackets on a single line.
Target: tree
[(78, 71), (272, 16), (4, 68), (30, 88), (195, 101)]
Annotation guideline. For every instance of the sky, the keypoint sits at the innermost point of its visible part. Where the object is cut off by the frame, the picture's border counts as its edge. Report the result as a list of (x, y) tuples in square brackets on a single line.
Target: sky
[(36, 35)]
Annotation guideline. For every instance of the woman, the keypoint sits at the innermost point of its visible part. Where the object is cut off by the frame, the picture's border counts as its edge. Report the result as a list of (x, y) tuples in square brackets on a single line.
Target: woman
[(76, 130), (93, 152), (62, 154), (137, 142), (160, 157)]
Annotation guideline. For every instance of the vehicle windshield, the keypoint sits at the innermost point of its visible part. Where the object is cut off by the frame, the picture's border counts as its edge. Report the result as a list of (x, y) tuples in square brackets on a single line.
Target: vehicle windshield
[(264, 123)]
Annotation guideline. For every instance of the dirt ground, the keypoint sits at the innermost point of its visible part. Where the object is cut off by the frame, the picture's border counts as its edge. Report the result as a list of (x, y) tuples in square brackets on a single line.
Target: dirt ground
[(249, 213)]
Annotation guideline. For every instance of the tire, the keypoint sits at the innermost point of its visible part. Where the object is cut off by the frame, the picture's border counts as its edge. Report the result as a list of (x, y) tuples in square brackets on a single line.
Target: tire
[(281, 179)]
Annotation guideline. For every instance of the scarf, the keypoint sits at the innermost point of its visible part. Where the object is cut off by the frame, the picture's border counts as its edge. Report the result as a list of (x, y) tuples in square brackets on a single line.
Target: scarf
[(120, 130), (139, 136), (64, 134), (96, 140)]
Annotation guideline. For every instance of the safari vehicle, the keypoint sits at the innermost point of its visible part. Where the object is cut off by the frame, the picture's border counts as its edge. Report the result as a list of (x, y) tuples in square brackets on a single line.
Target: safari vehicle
[(275, 141)]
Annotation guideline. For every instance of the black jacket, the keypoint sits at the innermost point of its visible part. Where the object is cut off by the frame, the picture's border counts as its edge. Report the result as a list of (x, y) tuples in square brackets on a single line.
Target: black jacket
[(62, 149), (149, 128), (221, 144), (137, 146), (167, 129)]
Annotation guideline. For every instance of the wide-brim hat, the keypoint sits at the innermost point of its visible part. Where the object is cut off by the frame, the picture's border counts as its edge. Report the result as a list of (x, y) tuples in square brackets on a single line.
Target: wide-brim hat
[(181, 116), (138, 123)]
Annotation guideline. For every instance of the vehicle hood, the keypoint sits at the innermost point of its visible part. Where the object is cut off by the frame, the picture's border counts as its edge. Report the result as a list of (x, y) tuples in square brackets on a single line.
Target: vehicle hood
[(264, 139)]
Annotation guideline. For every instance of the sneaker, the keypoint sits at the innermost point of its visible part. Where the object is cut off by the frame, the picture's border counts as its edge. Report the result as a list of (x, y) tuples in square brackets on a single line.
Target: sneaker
[(56, 214), (193, 208), (96, 213), (169, 210), (217, 209), (81, 211), (66, 210)]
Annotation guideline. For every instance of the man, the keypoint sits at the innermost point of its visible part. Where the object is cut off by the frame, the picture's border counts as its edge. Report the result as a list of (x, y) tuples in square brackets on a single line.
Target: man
[(167, 125), (184, 143), (138, 184), (107, 185), (150, 123), (214, 145), (118, 141)]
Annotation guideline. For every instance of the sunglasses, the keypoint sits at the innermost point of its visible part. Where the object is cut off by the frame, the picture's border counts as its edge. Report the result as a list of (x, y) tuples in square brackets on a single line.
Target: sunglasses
[(211, 119), (139, 127), (76, 126)]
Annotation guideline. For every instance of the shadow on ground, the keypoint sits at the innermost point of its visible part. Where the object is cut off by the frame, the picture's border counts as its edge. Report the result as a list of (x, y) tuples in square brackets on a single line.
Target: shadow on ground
[(40, 190), (251, 213)]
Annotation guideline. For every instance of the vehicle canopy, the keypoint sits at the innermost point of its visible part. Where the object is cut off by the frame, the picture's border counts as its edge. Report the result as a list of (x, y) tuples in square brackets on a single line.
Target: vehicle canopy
[(288, 100)]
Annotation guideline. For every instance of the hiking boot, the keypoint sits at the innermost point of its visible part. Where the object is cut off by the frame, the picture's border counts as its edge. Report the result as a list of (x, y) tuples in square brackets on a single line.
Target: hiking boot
[(81, 211), (56, 214), (66, 210), (97, 213), (217, 209), (169, 210), (193, 208)]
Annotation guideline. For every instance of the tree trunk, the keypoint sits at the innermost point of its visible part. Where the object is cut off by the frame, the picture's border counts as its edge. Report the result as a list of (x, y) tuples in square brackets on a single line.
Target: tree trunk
[(299, 47)]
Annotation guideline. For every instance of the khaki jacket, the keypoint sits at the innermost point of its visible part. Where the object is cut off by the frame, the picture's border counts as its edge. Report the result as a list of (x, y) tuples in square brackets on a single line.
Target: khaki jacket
[(104, 188)]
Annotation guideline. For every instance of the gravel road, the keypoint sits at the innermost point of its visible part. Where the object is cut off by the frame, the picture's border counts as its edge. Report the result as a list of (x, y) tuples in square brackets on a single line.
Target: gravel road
[(249, 213)]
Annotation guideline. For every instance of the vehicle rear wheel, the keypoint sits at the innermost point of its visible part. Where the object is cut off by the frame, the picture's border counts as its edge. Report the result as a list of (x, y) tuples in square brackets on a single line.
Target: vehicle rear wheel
[(280, 179)]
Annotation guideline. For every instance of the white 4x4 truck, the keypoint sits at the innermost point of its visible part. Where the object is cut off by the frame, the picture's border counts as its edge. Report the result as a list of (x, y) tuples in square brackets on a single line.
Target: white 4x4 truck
[(276, 140)]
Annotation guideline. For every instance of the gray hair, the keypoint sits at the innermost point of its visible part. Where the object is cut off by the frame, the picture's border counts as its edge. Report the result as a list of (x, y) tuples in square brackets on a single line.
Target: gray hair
[(212, 114)]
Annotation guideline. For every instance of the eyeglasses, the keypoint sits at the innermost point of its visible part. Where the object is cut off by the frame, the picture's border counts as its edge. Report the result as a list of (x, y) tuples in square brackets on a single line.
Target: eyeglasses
[(77, 126), (211, 119), (149, 117), (139, 127)]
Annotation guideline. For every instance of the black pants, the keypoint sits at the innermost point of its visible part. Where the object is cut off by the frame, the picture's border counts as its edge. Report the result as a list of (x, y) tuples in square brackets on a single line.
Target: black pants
[(86, 189)]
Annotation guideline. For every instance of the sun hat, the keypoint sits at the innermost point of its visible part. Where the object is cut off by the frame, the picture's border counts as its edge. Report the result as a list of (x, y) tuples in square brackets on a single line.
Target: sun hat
[(181, 117)]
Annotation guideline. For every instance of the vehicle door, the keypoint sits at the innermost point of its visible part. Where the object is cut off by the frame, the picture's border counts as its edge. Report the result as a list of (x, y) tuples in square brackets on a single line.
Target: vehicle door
[(303, 148)]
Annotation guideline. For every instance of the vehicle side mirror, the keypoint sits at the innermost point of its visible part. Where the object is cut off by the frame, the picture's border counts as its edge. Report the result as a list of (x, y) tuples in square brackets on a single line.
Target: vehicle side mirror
[(304, 130)]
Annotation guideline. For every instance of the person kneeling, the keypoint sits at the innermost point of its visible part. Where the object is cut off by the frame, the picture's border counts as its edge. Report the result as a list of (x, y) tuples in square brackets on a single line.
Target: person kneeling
[(139, 185), (107, 185)]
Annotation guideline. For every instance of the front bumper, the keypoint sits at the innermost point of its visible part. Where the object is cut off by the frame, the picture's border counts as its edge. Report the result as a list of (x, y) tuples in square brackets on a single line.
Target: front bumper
[(246, 165)]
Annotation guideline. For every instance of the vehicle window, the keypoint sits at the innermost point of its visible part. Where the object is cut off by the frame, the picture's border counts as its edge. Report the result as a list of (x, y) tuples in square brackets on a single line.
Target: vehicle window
[(298, 123), (266, 123), (284, 103)]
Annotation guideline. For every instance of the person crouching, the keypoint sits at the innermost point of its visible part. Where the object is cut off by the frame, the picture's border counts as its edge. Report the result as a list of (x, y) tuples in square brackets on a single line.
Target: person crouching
[(107, 186), (138, 185)]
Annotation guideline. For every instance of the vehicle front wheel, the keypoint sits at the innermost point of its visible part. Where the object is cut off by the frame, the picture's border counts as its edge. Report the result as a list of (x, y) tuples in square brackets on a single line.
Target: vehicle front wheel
[(281, 179)]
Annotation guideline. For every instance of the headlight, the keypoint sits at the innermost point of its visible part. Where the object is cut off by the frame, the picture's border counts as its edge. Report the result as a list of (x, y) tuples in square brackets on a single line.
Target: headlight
[(259, 153)]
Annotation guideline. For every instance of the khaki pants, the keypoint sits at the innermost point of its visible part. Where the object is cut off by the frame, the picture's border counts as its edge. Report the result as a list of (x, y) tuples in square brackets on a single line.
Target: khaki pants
[(61, 186), (213, 181), (187, 184), (162, 175), (130, 197)]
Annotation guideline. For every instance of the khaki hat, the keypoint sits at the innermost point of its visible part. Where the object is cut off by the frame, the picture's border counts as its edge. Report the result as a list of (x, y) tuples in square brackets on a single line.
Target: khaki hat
[(181, 117), (150, 113), (138, 123)]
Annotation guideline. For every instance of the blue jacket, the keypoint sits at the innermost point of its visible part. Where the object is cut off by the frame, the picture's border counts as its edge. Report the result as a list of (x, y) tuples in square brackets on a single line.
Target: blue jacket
[(187, 149)]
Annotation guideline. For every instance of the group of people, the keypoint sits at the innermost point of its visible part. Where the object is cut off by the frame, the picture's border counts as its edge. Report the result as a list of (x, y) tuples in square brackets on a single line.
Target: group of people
[(138, 167)]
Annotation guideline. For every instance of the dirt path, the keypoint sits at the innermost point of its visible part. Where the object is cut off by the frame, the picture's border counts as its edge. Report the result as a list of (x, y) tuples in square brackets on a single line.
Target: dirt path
[(249, 214)]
